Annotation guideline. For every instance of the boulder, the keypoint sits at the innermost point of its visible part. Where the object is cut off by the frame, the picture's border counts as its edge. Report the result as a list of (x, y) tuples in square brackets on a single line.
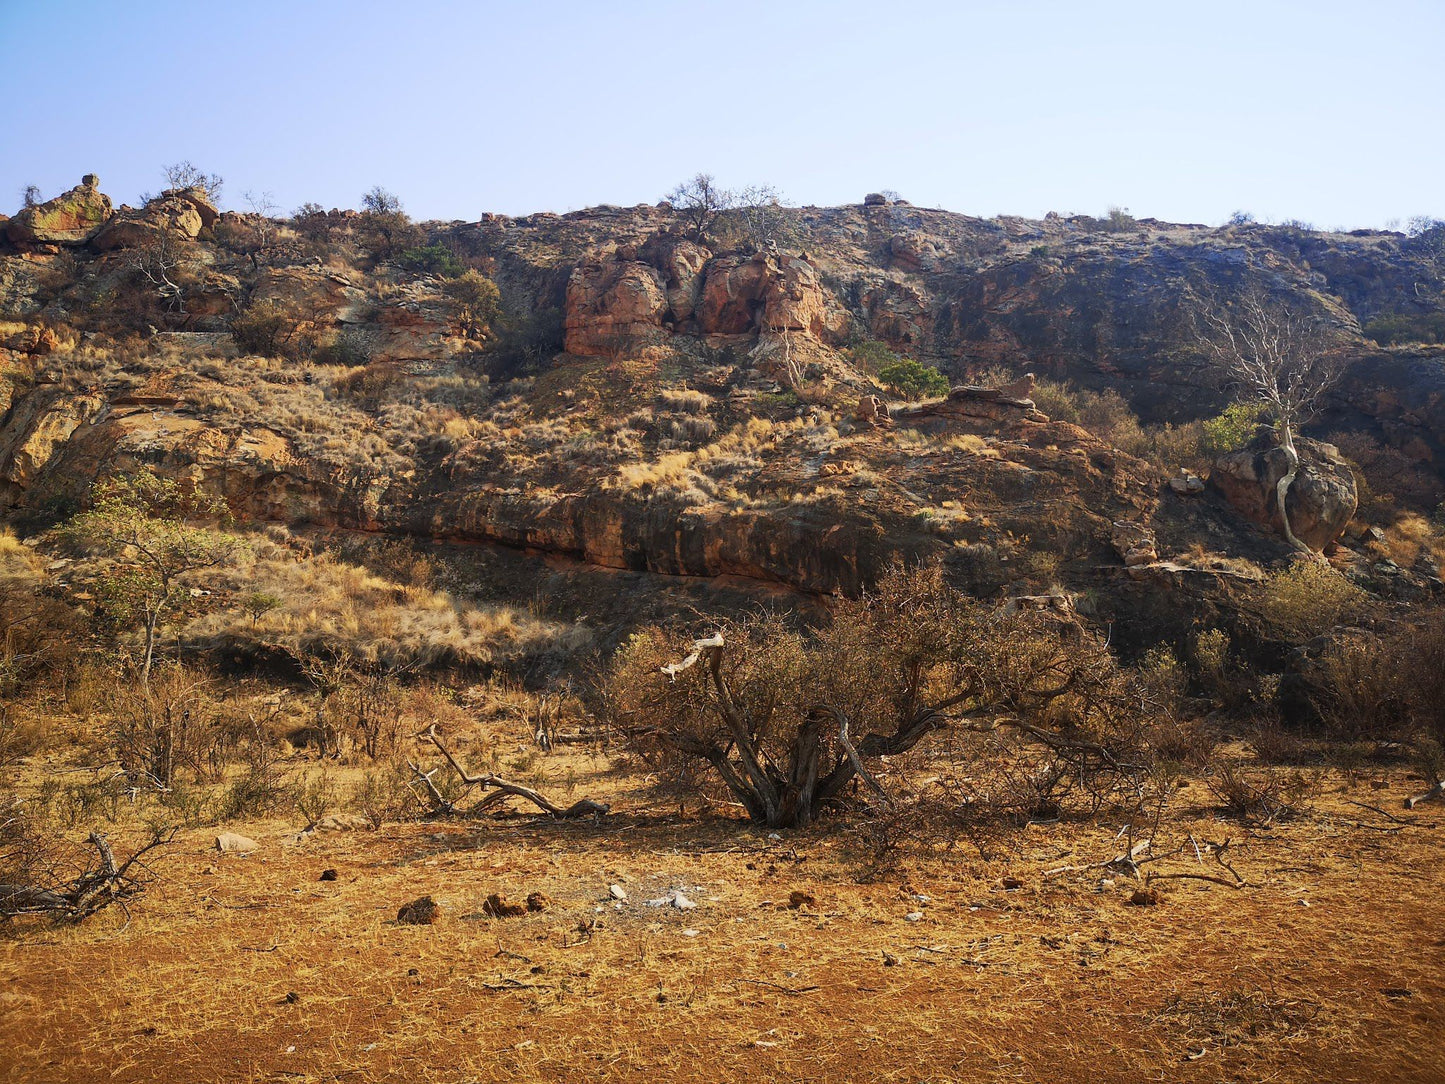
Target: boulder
[(761, 293), (37, 430), (235, 843), (792, 298), (199, 200), (341, 822), (873, 413), (1134, 543), (166, 215), (1187, 484), (69, 219), (732, 293), (1321, 502), (680, 263), (972, 401)]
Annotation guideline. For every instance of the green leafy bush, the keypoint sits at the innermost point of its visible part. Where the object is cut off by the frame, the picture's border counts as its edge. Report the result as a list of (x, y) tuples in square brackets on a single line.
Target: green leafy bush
[(1309, 598), (913, 380), (1397, 328), (432, 259), (1233, 429)]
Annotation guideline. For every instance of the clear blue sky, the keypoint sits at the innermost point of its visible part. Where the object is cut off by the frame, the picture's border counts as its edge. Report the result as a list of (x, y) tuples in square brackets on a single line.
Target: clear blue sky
[(1325, 111)]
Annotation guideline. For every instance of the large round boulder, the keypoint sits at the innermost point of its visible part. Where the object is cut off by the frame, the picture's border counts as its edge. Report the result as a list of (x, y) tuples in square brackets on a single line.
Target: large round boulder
[(1322, 499)]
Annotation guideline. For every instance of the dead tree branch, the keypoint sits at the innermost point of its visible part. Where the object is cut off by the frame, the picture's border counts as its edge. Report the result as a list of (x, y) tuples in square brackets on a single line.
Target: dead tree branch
[(500, 789), (96, 888)]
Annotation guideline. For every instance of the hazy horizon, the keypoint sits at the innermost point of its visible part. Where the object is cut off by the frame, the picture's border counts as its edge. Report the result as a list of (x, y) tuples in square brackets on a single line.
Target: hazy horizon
[(1316, 112)]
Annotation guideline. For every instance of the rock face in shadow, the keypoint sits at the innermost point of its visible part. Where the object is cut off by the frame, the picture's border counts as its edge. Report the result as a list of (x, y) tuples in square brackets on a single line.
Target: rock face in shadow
[(1322, 499)]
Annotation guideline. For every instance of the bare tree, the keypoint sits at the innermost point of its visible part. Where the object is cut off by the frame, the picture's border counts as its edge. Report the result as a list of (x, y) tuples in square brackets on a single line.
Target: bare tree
[(185, 175), (160, 261), (698, 202), (758, 210), (1274, 352), (262, 226)]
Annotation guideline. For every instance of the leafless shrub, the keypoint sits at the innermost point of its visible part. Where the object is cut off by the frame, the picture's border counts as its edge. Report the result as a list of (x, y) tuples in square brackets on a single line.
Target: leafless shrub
[(772, 710), (1262, 797)]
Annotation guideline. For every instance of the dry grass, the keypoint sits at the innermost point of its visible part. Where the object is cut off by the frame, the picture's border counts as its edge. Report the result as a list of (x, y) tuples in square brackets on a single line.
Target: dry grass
[(252, 969), (1410, 538), (327, 605)]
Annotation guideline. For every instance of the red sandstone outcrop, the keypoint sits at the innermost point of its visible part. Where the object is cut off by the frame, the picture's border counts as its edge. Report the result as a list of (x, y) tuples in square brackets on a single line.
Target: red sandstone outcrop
[(614, 306), (180, 213)]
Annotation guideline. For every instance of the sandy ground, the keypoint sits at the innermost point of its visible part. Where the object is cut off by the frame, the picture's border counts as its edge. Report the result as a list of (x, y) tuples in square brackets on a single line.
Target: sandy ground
[(249, 968)]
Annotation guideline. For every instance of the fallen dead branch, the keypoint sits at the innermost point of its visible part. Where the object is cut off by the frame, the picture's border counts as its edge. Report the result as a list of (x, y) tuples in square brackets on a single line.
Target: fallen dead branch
[(1437, 791), (500, 789), (1133, 860), (96, 888), (1212, 878), (785, 989)]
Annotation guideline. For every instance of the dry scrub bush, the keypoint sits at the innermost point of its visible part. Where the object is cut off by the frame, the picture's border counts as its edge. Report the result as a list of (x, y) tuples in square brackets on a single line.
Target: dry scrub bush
[(1390, 689), (165, 724), (685, 400), (1309, 598), (38, 633), (1261, 797), (789, 720)]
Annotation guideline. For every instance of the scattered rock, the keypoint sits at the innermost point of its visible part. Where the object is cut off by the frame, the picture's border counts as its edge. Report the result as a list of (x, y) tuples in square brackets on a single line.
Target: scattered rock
[(676, 898), (875, 199), (617, 892), (1397, 991), (798, 899), (889, 960), (497, 906), (1187, 484), (328, 875), (420, 912), (913, 916), (1012, 883), (538, 901), (1145, 897), (291, 998), (235, 843)]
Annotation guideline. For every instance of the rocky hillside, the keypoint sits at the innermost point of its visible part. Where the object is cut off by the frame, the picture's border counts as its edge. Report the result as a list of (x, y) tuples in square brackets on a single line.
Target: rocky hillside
[(640, 397)]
